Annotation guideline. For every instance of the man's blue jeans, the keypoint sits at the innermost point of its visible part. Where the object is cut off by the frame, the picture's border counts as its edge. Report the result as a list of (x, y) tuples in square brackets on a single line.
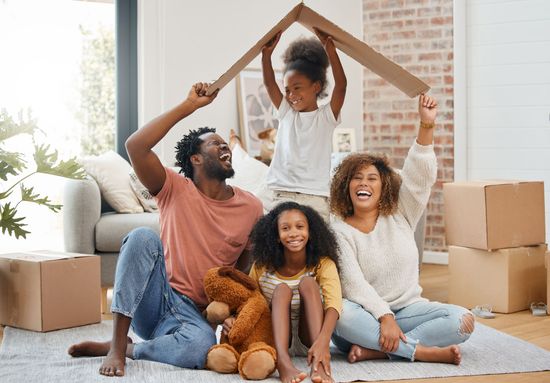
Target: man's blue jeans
[(172, 327), (427, 323)]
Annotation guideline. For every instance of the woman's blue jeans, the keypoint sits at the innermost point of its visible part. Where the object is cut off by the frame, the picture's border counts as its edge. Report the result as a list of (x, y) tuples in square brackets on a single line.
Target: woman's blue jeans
[(172, 327), (427, 323)]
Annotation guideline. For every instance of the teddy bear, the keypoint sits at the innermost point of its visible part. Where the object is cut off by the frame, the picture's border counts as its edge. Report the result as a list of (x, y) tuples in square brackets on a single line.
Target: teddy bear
[(248, 348)]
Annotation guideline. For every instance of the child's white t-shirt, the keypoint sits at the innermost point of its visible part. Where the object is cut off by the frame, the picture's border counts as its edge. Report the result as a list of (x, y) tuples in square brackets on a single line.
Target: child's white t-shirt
[(301, 160)]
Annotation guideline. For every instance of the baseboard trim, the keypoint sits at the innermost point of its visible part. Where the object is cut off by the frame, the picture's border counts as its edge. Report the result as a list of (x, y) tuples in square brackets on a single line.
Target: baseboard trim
[(436, 257)]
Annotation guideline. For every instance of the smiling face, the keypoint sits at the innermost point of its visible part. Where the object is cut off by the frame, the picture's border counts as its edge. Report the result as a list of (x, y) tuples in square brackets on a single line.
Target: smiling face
[(300, 92), (293, 231), (217, 157), (365, 189)]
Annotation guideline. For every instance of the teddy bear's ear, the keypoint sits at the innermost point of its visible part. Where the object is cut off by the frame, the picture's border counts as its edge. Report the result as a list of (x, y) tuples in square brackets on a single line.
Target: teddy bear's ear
[(238, 276)]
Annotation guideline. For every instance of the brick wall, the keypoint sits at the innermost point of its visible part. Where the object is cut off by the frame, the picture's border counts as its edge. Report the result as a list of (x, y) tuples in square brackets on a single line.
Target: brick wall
[(418, 35)]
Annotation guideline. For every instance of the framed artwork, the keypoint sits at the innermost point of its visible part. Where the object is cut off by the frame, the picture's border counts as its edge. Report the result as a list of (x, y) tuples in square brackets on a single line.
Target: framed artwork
[(256, 113), (343, 140)]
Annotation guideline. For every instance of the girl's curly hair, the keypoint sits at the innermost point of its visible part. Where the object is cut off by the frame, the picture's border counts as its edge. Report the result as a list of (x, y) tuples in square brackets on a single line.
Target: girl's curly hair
[(308, 57), (267, 250), (340, 200), (187, 146)]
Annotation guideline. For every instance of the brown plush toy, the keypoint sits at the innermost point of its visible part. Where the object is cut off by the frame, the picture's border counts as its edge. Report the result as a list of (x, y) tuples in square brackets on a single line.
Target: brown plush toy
[(248, 348)]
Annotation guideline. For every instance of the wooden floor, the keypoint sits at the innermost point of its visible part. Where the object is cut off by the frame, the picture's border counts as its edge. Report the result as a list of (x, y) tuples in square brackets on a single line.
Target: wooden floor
[(434, 279)]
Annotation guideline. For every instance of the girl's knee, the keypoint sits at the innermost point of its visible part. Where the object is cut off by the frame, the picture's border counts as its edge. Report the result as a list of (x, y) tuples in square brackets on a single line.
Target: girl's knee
[(307, 285), (282, 291), (467, 324)]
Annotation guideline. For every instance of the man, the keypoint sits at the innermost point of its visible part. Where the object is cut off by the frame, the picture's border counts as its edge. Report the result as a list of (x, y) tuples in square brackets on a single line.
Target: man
[(204, 223)]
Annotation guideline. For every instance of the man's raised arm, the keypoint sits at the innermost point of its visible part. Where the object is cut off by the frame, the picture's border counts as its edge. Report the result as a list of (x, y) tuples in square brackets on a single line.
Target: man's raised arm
[(139, 145)]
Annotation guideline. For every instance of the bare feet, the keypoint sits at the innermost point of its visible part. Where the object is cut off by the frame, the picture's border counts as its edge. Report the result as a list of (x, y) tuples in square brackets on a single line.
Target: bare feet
[(320, 376), (449, 354), (91, 348), (115, 359), (358, 353), (288, 373), (234, 139)]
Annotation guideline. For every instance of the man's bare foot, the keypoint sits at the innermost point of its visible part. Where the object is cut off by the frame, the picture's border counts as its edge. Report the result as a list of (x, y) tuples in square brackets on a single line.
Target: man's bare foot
[(234, 139), (320, 376), (91, 348), (358, 353), (288, 373), (449, 354)]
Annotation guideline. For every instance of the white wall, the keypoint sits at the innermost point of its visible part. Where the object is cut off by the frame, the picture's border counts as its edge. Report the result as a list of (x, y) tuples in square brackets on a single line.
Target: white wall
[(508, 91), (182, 42)]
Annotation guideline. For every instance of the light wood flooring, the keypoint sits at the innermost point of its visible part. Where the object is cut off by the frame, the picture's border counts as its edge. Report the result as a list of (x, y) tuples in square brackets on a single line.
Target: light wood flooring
[(434, 279)]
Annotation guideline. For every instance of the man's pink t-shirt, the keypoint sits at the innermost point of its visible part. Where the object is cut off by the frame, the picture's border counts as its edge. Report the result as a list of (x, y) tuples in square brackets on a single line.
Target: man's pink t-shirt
[(199, 233)]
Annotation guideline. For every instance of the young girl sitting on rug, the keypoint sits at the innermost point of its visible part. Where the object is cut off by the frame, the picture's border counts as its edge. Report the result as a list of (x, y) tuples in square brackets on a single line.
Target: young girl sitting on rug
[(300, 168), (295, 255)]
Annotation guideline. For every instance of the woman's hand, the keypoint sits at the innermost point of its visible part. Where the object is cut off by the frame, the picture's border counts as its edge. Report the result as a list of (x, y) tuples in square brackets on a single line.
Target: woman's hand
[(390, 333), (269, 47), (319, 353), (427, 108), (227, 325)]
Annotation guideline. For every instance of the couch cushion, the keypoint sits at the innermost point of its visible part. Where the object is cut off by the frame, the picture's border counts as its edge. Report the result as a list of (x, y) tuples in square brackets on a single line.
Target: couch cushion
[(112, 228)]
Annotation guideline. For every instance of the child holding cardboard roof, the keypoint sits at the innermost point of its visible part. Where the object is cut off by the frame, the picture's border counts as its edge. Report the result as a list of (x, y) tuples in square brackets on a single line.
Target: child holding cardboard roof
[(300, 168)]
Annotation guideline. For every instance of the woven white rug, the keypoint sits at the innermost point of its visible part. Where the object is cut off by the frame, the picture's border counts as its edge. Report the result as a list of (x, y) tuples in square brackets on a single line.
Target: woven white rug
[(27, 356)]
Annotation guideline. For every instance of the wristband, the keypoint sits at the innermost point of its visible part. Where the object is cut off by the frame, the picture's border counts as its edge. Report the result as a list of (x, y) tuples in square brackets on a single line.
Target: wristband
[(427, 125)]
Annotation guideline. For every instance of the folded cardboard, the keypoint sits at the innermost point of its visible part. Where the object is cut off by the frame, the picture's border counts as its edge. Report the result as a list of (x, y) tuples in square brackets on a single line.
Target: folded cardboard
[(44, 291), (507, 279), (347, 43), (491, 215)]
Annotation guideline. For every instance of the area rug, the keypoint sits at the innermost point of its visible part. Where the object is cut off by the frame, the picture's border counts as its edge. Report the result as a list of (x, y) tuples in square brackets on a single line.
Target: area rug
[(27, 356)]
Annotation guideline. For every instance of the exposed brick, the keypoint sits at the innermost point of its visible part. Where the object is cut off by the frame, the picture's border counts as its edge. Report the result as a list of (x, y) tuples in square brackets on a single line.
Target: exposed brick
[(416, 34)]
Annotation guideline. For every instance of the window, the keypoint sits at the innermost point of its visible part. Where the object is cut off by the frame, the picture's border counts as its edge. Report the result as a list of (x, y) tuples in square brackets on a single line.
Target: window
[(58, 66)]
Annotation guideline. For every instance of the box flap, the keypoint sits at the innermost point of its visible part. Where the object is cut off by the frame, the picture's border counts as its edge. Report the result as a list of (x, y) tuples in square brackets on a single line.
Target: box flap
[(347, 43), (43, 256)]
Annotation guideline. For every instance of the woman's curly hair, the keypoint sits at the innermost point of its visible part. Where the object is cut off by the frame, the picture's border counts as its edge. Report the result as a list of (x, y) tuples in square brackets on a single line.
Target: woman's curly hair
[(187, 146), (267, 250), (307, 56), (340, 200)]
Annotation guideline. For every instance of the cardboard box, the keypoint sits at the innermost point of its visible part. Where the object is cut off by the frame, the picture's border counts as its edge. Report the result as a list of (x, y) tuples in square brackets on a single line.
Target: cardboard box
[(347, 43), (44, 291), (507, 279), (547, 263), (492, 215)]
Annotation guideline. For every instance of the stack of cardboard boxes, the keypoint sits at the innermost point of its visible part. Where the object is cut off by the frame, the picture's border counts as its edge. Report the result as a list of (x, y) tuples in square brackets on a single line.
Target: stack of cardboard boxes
[(496, 236)]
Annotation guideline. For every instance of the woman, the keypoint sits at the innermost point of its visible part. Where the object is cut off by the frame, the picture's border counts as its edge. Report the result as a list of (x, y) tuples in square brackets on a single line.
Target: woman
[(384, 315)]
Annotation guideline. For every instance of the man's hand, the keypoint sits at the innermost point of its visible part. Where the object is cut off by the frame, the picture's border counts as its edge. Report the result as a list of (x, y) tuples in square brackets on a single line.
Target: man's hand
[(390, 333), (228, 325), (197, 95)]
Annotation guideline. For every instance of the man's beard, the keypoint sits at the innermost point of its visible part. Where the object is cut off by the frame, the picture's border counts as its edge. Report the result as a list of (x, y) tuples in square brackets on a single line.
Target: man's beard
[(213, 169)]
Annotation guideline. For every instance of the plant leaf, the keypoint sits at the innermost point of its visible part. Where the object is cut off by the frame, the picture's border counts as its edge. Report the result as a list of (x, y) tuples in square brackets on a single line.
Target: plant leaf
[(10, 128), (10, 163), (47, 163), (10, 223), (28, 196)]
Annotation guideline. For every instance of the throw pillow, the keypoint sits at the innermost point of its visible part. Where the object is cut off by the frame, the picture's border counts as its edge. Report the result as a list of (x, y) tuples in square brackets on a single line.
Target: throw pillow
[(145, 198), (110, 171)]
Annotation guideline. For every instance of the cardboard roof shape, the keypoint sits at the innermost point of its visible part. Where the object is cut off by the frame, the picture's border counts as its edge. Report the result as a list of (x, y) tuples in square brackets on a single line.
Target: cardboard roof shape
[(353, 47)]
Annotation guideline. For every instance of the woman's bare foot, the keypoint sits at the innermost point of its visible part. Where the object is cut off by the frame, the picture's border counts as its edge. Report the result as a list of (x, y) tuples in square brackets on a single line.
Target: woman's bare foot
[(91, 348), (288, 373), (358, 353), (449, 354), (320, 376), (234, 139)]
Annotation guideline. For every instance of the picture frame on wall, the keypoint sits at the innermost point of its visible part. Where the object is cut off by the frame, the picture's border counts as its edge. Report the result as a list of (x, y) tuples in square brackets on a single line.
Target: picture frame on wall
[(343, 140), (257, 115)]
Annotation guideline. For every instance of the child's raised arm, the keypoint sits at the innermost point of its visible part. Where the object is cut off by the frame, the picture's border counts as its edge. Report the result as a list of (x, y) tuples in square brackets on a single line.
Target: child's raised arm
[(270, 83), (340, 81)]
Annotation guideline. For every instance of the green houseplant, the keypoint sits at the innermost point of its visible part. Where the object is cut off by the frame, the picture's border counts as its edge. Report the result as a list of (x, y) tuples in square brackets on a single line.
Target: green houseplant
[(14, 170)]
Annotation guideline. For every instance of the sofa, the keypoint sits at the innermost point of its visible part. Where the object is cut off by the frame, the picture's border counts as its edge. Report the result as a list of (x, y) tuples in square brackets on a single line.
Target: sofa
[(91, 226)]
